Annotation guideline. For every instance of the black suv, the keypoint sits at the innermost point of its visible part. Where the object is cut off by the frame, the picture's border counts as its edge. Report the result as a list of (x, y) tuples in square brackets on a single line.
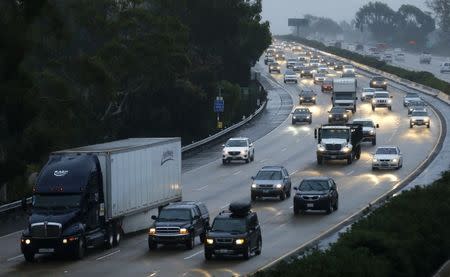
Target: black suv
[(307, 95), (271, 181), (338, 115), (234, 232), (301, 115), (378, 82), (316, 193), (179, 223)]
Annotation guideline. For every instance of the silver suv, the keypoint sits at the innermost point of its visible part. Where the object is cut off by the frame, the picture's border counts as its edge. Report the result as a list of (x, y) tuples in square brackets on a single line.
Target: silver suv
[(369, 129), (382, 99), (271, 181), (238, 149)]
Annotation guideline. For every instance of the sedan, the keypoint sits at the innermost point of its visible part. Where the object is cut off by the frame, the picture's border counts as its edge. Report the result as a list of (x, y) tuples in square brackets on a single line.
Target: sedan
[(290, 76), (367, 94), (338, 115), (319, 78), (378, 82), (275, 67), (419, 118), (316, 193), (410, 96), (415, 105), (301, 115), (387, 157), (327, 86)]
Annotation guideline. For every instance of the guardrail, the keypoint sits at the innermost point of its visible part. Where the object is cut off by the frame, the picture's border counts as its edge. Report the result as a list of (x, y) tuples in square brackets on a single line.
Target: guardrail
[(386, 196), (17, 204)]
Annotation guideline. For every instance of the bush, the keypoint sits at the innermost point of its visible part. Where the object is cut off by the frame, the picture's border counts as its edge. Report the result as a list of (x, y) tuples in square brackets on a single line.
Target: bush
[(406, 237)]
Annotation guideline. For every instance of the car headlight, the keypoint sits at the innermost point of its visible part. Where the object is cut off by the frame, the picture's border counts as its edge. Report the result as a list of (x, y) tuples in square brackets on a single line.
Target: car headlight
[(278, 67), (27, 241), (330, 116), (314, 98), (427, 119), (307, 117), (152, 231), (209, 241), (384, 83), (64, 241), (345, 115), (294, 117), (240, 241), (374, 101), (371, 132), (373, 83), (346, 149), (321, 148), (303, 71), (374, 160), (254, 186), (184, 231), (301, 98), (389, 101), (278, 186), (394, 160), (244, 151)]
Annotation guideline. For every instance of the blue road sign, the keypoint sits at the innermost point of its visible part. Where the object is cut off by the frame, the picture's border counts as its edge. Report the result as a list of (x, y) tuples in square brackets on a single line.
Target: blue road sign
[(219, 106)]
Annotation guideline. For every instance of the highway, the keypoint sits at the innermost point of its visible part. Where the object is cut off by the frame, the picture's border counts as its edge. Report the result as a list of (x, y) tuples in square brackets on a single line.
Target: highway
[(217, 185)]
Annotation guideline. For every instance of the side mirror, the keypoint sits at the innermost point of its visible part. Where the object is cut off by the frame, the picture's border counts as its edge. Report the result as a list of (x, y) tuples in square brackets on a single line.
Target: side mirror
[(295, 188), (253, 177), (154, 217), (251, 144), (356, 98), (378, 126), (391, 96), (196, 217), (24, 204)]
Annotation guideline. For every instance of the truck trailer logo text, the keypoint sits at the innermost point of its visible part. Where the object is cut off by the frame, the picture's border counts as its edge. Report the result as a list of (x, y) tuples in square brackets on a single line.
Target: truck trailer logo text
[(60, 173), (167, 156)]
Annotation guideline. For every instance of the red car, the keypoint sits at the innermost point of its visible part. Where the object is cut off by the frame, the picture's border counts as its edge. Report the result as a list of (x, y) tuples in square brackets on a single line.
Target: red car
[(327, 86)]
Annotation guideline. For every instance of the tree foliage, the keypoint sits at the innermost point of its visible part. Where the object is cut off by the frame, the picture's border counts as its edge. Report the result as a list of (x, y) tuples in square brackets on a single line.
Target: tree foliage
[(442, 10), (75, 72)]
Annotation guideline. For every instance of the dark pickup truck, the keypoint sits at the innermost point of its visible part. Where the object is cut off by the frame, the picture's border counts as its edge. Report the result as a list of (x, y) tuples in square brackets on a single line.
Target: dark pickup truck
[(179, 223)]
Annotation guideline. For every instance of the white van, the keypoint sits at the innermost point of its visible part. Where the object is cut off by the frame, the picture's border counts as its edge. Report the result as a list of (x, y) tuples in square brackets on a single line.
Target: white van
[(445, 67)]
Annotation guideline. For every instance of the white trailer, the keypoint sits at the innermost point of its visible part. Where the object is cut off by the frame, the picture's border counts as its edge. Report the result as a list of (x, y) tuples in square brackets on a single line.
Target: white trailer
[(344, 93)]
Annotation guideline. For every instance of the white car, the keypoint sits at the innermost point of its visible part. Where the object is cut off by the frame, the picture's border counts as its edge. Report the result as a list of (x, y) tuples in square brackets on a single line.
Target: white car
[(381, 99), (348, 68), (409, 97), (290, 63), (240, 149), (419, 118), (445, 67), (387, 58), (290, 76), (400, 57), (319, 78), (425, 58), (367, 94), (387, 157), (322, 69)]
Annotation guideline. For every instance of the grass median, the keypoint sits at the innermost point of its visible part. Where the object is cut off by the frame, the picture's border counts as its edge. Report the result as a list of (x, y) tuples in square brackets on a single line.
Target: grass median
[(409, 236)]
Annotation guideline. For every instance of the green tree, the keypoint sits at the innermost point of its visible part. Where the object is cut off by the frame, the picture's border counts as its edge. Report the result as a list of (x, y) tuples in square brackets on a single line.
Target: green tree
[(442, 10), (414, 24), (379, 18)]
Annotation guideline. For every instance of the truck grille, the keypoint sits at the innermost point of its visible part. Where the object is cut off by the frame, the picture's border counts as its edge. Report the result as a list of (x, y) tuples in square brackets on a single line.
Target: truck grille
[(381, 101), (45, 230), (310, 197), (266, 186), (224, 240), (385, 161), (168, 230), (234, 153), (333, 146)]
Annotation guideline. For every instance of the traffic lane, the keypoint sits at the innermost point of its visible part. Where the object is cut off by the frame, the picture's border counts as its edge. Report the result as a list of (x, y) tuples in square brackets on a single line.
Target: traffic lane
[(241, 189), (412, 62)]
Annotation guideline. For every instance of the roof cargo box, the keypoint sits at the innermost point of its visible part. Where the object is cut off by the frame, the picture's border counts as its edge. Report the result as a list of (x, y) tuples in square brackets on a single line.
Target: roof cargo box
[(240, 208)]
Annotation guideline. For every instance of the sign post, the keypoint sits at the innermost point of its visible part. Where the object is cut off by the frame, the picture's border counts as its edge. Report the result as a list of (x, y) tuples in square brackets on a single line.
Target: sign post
[(219, 107)]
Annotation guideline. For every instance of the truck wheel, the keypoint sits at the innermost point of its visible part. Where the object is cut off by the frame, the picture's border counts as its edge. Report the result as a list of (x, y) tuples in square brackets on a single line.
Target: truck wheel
[(109, 240), (190, 243), (350, 159), (282, 195), (374, 141), (29, 257), (330, 208), (319, 160), (117, 235), (288, 193), (81, 248), (259, 248), (152, 245), (208, 255)]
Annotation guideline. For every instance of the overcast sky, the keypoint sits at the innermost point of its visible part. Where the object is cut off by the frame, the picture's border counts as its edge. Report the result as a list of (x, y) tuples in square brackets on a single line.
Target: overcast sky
[(278, 11)]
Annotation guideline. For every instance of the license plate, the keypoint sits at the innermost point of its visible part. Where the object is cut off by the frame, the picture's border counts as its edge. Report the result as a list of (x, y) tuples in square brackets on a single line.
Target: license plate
[(265, 191), (46, 250), (333, 157), (223, 251), (310, 205), (385, 164)]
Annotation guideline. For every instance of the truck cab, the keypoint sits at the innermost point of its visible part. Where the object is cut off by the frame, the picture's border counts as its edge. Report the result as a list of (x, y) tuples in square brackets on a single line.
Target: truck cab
[(338, 142)]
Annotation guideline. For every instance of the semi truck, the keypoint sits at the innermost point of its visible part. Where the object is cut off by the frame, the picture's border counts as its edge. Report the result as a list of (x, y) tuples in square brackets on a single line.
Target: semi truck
[(90, 196), (338, 142), (344, 93)]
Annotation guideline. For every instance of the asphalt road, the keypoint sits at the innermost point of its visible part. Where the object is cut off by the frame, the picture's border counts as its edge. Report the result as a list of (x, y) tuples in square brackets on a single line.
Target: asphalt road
[(218, 185)]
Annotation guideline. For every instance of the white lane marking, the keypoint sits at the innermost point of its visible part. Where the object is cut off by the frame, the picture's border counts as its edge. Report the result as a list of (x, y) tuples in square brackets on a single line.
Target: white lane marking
[(350, 173), (280, 226), (153, 274), (293, 172), (223, 207), (193, 255), (237, 172), (201, 188), (291, 207), (264, 160), (284, 149), (12, 234), (107, 255), (14, 258)]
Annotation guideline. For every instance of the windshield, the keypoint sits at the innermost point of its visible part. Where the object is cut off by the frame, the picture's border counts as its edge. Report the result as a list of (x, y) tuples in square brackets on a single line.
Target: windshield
[(389, 150), (56, 201), (364, 123), (175, 214), (368, 90), (236, 225), (381, 95), (268, 175), (236, 143), (290, 72), (419, 113), (301, 111), (337, 110), (314, 185), (334, 133), (344, 96)]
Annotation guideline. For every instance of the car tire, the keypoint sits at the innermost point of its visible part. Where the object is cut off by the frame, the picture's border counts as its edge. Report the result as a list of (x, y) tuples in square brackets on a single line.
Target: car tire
[(253, 157), (296, 211), (190, 243), (224, 162), (374, 168), (80, 249), (282, 195), (288, 193), (29, 256), (208, 255), (152, 245), (330, 208), (203, 236), (253, 196), (310, 121), (247, 253), (350, 159), (109, 240), (374, 141), (410, 126), (336, 205), (373, 108), (259, 248), (247, 160), (293, 123), (428, 126), (319, 160), (117, 235), (390, 108)]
